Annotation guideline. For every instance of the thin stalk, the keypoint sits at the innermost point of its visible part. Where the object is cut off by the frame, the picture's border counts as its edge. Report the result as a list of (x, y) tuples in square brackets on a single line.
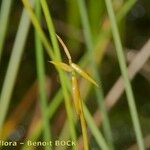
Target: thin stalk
[(128, 89), (83, 61), (38, 28), (97, 135), (51, 29), (84, 131), (13, 66), (99, 92), (51, 54), (79, 109), (4, 18), (62, 76), (41, 80)]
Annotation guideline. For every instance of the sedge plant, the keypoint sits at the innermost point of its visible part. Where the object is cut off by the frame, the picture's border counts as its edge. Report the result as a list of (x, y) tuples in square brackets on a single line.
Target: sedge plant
[(73, 68)]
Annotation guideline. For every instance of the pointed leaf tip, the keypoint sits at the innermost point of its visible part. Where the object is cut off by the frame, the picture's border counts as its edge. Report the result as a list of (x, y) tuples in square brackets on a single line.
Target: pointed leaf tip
[(83, 74)]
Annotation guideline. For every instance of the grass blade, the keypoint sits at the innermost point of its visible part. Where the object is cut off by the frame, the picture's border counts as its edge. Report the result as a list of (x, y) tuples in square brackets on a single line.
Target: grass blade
[(51, 54), (63, 79), (41, 80), (124, 72), (13, 66), (4, 17), (90, 47), (102, 44), (95, 131)]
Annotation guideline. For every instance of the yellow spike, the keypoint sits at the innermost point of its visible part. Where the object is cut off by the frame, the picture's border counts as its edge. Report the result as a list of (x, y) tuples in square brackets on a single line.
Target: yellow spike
[(64, 47), (83, 74), (63, 66)]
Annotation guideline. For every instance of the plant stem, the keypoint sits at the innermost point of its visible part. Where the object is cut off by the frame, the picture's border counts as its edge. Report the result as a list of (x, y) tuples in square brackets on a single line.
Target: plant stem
[(99, 92), (41, 80), (51, 54), (84, 131), (97, 135), (124, 72), (38, 28), (79, 109), (61, 74), (4, 18), (13, 66)]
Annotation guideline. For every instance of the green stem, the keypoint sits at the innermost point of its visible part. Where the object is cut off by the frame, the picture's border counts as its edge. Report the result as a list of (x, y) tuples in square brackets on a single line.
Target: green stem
[(103, 36), (99, 92), (41, 80), (4, 17), (13, 66), (62, 76), (51, 54), (38, 28), (124, 72), (84, 130), (97, 134)]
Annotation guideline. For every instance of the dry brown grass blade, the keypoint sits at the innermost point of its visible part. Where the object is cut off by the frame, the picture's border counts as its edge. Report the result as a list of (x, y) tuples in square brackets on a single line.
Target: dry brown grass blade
[(134, 67), (22, 108), (145, 70), (116, 91)]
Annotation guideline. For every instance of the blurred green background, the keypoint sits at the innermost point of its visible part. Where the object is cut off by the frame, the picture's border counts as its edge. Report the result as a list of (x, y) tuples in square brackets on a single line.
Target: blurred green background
[(134, 29)]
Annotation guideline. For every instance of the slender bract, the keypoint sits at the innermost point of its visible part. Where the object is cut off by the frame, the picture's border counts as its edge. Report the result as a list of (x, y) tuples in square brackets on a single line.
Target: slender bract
[(75, 66), (75, 89), (64, 47), (79, 109), (83, 73)]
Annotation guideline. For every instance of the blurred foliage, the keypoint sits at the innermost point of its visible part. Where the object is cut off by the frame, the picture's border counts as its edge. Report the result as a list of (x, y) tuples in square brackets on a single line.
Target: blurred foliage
[(135, 32)]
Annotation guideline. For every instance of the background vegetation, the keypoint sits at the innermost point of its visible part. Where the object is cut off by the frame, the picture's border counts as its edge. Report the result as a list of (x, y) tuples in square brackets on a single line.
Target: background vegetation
[(36, 99)]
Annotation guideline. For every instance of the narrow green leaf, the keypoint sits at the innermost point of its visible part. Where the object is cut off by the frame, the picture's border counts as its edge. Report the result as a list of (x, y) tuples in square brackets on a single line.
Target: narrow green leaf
[(123, 67)]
